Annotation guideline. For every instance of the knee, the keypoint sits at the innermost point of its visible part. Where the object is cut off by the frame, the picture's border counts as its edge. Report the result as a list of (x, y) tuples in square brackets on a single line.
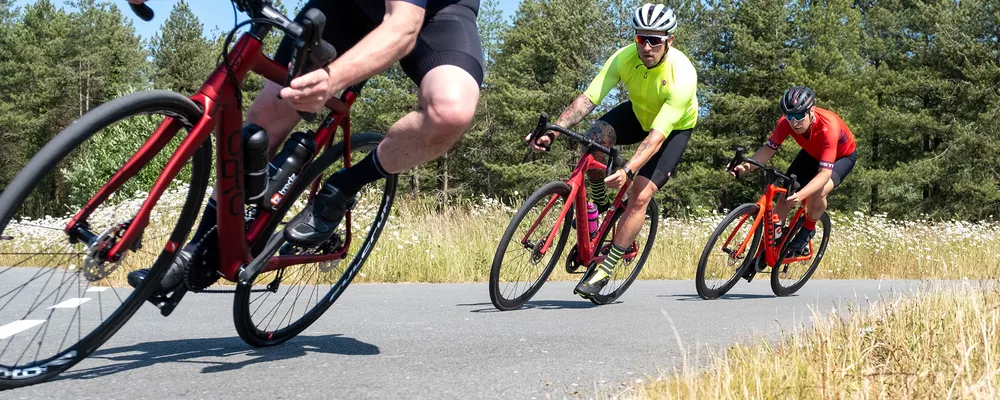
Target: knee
[(450, 110), (642, 200), (603, 133)]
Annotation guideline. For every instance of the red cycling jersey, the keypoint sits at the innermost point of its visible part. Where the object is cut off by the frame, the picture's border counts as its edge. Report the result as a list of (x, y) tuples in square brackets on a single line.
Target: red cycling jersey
[(828, 139)]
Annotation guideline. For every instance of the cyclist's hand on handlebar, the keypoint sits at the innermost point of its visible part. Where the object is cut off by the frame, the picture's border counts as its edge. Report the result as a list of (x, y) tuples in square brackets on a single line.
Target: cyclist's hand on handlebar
[(739, 169), (542, 143), (793, 201), (309, 92), (617, 179)]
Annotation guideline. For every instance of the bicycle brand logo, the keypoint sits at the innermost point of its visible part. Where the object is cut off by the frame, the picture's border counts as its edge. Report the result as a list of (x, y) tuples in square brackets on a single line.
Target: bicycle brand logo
[(232, 172), (284, 190)]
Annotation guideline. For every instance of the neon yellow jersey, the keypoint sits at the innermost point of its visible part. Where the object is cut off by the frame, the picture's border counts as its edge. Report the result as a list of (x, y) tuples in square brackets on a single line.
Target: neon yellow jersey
[(663, 98)]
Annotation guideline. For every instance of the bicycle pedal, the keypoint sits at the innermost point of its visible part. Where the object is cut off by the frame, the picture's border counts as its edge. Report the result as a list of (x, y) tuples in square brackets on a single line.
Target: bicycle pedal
[(168, 302)]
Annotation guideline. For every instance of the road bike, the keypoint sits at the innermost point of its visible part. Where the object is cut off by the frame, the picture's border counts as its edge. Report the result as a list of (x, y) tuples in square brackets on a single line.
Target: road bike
[(65, 250), (750, 243), (531, 246)]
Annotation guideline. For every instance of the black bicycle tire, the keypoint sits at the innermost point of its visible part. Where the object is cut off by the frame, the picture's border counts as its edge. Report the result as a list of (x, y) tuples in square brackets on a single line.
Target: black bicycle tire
[(709, 294), (188, 113), (543, 193)]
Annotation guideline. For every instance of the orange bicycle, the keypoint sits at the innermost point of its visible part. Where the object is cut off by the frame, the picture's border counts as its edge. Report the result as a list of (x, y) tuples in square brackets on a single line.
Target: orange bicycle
[(529, 251), (745, 228)]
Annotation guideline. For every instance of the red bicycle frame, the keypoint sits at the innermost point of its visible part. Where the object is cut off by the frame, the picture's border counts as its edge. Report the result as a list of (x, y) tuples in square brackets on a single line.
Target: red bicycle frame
[(222, 114), (765, 207), (578, 194)]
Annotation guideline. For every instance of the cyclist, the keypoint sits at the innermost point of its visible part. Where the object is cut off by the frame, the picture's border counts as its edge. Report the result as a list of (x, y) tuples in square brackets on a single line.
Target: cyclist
[(828, 155), (437, 44), (661, 111)]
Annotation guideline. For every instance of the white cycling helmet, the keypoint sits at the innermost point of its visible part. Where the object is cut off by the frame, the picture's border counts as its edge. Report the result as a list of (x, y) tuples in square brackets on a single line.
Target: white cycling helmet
[(654, 17)]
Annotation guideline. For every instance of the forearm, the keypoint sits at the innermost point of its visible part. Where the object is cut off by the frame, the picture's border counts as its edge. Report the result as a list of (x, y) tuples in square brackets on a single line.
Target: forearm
[(580, 108), (649, 146), (763, 155)]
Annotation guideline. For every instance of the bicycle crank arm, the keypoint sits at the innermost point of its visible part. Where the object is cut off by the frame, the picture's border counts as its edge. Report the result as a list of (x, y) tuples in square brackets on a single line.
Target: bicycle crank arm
[(250, 271), (167, 304)]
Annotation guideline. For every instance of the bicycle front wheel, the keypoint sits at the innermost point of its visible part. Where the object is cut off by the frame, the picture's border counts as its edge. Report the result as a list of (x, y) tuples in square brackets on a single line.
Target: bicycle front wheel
[(723, 261), (522, 263), (61, 297)]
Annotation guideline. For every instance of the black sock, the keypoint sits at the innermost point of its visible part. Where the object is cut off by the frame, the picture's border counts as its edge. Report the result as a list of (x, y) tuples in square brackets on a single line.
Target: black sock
[(351, 180), (208, 221)]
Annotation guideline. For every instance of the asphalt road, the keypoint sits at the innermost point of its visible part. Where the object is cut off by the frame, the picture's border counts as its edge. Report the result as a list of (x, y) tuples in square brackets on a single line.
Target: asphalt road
[(444, 341)]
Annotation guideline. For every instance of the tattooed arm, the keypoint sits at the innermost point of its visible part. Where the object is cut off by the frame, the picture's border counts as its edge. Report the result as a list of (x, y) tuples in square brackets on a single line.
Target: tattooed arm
[(570, 117), (575, 113)]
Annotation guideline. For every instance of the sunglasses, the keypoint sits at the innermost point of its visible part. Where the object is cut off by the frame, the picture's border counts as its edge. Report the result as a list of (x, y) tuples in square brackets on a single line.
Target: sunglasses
[(796, 117), (653, 40)]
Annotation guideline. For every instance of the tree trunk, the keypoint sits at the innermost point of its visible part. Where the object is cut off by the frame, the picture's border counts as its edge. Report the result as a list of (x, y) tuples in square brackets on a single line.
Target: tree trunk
[(414, 183), (443, 178)]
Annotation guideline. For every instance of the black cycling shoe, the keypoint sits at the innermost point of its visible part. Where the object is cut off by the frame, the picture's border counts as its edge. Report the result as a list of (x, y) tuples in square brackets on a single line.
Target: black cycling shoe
[(171, 280), (589, 288), (799, 244), (317, 223)]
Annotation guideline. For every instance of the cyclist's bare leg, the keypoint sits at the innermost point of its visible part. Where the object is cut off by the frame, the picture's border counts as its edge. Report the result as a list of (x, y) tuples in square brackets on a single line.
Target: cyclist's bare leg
[(782, 207), (448, 98), (640, 194), (275, 115), (817, 202)]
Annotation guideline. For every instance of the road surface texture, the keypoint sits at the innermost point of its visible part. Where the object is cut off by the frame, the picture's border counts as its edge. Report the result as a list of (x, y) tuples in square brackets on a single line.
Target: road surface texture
[(445, 341)]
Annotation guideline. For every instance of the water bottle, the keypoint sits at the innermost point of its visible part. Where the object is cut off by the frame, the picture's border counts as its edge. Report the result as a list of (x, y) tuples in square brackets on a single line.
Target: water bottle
[(255, 167), (776, 227), (592, 218), (298, 150)]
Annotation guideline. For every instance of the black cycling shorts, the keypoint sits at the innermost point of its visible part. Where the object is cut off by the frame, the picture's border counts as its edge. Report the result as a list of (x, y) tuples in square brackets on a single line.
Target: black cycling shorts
[(449, 36), (628, 130), (805, 168)]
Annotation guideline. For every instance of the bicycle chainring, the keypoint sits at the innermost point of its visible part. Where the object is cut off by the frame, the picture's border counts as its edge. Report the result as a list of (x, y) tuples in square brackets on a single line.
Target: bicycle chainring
[(202, 271)]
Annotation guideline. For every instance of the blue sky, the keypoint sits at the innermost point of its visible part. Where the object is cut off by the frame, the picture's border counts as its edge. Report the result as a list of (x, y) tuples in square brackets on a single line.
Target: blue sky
[(215, 15)]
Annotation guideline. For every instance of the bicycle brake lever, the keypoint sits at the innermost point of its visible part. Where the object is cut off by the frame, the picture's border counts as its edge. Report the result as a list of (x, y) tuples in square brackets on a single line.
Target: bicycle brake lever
[(311, 51)]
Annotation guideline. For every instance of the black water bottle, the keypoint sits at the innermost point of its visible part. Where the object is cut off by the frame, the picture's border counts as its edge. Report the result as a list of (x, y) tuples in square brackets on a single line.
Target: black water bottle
[(255, 167), (298, 150)]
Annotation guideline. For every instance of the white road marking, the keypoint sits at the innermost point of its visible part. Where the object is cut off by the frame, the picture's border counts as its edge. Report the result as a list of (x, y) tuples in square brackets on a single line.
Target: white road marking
[(71, 303), (16, 327), (97, 289)]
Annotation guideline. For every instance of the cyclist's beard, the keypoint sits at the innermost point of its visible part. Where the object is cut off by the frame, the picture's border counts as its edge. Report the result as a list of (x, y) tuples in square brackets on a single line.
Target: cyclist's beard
[(663, 57)]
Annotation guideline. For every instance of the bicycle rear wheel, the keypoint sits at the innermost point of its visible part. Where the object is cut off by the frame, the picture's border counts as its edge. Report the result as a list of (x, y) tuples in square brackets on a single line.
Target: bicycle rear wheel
[(519, 271), (788, 278), (632, 262), (721, 267), (60, 296), (275, 306)]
